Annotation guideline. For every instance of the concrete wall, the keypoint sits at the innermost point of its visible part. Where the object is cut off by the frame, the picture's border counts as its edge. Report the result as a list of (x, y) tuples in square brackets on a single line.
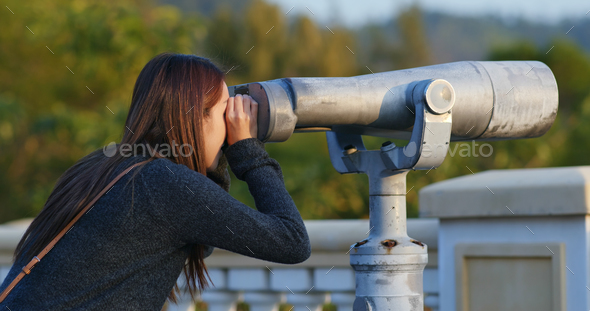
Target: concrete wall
[(513, 231)]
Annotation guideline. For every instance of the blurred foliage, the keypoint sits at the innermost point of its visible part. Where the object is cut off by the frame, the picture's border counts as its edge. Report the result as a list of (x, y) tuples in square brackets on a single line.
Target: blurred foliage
[(66, 83), (416, 51), (52, 115), (565, 144)]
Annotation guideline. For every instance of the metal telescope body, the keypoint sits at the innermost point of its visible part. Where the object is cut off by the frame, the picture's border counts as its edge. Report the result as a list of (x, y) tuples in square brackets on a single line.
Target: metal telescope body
[(427, 106), (494, 100)]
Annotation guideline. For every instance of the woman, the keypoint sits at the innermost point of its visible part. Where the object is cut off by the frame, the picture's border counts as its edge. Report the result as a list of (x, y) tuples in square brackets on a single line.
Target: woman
[(128, 250)]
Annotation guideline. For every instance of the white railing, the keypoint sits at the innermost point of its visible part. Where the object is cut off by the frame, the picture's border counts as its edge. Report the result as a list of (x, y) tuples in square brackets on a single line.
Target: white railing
[(326, 277)]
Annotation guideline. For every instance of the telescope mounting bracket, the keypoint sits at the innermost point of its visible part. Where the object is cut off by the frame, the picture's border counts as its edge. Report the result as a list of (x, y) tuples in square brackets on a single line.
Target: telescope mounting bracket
[(432, 101)]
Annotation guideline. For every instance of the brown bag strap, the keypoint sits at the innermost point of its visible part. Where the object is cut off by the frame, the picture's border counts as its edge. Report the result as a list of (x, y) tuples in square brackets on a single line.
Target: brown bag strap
[(27, 269)]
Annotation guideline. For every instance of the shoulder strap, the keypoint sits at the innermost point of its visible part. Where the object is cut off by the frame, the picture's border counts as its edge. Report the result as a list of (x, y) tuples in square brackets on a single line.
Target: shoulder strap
[(27, 269)]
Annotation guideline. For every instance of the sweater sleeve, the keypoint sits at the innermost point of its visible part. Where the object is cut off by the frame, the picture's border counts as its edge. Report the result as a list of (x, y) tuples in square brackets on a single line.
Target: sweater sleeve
[(191, 208)]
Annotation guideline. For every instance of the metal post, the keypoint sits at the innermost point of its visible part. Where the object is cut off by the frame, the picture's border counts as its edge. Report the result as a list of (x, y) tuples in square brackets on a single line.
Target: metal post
[(388, 264)]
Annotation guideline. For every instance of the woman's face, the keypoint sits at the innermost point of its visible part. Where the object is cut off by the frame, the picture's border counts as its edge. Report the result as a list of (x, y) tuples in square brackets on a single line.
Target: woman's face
[(215, 131)]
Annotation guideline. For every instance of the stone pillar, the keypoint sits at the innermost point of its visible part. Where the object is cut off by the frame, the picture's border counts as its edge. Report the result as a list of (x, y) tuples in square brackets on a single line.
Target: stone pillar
[(513, 239)]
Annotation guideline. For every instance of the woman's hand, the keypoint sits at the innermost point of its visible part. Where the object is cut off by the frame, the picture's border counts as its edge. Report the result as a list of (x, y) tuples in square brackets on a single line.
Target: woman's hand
[(241, 118)]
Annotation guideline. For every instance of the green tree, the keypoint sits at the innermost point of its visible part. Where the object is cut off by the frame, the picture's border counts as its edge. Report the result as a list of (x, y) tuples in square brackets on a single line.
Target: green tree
[(413, 50), (67, 70), (306, 47), (265, 32), (338, 58), (223, 38)]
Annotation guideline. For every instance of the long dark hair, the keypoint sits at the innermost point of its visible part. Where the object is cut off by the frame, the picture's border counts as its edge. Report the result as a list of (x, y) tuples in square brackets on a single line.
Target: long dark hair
[(172, 95)]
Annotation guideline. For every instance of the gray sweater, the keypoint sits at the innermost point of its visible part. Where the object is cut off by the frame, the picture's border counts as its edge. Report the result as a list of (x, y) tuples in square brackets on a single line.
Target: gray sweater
[(122, 258)]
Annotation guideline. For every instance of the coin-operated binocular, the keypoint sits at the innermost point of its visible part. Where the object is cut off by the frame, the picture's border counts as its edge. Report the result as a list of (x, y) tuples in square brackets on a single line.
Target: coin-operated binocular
[(427, 106)]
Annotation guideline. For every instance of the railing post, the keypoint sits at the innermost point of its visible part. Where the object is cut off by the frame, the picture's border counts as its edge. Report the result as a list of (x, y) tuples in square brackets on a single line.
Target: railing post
[(184, 303), (307, 301), (263, 301), (220, 300)]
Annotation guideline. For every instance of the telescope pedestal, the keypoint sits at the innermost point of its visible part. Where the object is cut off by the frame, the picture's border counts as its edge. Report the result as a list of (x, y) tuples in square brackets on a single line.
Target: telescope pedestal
[(388, 264)]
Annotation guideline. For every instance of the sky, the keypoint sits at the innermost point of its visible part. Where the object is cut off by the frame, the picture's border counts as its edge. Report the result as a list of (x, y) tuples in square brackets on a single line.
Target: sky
[(354, 13)]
